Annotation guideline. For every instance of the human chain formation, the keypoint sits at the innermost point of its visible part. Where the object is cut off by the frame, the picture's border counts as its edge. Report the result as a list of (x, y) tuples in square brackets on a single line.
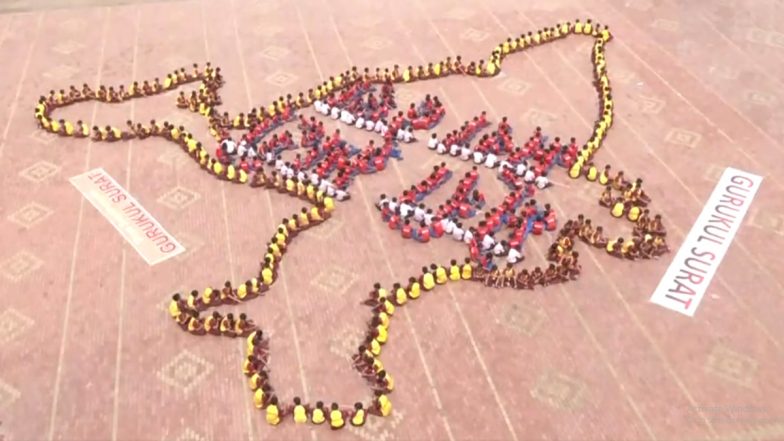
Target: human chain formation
[(323, 174)]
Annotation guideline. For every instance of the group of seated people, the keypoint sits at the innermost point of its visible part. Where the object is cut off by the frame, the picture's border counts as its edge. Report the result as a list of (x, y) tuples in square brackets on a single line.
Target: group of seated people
[(342, 97)]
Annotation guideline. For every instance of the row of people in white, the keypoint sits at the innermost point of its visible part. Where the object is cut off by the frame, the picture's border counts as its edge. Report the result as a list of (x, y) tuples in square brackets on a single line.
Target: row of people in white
[(489, 160)]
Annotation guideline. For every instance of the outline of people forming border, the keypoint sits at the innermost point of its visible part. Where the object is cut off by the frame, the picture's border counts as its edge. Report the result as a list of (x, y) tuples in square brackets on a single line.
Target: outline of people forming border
[(324, 176)]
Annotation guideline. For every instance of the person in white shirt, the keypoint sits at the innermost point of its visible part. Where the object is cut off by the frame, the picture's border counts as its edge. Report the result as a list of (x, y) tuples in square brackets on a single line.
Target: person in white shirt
[(335, 113), (381, 201), (432, 143), (242, 148), (393, 204), (405, 210), (345, 116), (490, 160), (318, 105), (360, 124), (252, 152), (229, 146), (465, 152), (513, 256), (268, 158), (441, 149), (454, 150), (314, 178), (379, 126), (341, 195), (458, 232), (478, 157), (419, 213), (429, 217), (468, 236), (325, 110), (408, 135), (542, 182), (323, 185), (488, 242), (279, 163), (448, 225), (369, 125), (499, 249), (529, 175), (301, 177), (521, 168)]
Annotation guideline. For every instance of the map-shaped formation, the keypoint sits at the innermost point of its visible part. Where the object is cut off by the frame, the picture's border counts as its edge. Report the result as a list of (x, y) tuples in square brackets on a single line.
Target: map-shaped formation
[(323, 174)]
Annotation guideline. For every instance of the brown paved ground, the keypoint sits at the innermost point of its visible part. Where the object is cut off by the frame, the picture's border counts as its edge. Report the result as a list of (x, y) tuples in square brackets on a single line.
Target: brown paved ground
[(88, 354)]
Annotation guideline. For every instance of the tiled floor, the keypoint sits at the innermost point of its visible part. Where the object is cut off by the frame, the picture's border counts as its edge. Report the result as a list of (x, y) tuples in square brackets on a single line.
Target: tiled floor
[(87, 351)]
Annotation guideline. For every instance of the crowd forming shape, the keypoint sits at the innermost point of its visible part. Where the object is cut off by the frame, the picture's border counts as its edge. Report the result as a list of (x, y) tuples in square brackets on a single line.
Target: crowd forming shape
[(351, 98)]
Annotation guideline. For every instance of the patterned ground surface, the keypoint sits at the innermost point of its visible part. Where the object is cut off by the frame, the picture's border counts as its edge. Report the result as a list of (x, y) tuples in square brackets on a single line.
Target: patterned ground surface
[(87, 351)]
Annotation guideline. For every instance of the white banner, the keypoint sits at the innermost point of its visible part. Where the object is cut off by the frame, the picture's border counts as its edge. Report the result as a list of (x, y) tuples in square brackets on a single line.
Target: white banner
[(688, 277), (134, 223)]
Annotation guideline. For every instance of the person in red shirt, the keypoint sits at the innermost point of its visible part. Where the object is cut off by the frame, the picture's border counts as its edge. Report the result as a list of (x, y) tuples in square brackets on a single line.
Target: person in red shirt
[(394, 222), (407, 231), (437, 230), (423, 235), (379, 162)]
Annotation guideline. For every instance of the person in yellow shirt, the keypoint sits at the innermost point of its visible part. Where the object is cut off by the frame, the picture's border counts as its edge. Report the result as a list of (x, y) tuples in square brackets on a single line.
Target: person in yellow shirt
[(428, 281), (382, 405), (243, 177), (317, 415), (634, 213), (302, 218), (315, 215), (195, 326), (592, 174), (605, 34), (193, 301), (454, 271), (414, 288), (273, 412), (208, 297), (267, 276), (379, 330), (174, 306), (576, 169), (440, 272), (68, 128), (299, 412), (248, 366), (211, 323), (614, 246), (358, 418), (384, 380), (604, 177), (336, 420), (260, 396), (578, 27), (407, 74), (383, 317), (373, 345), (329, 204), (401, 296), (55, 126), (467, 271), (231, 172), (588, 27), (217, 168), (618, 208)]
